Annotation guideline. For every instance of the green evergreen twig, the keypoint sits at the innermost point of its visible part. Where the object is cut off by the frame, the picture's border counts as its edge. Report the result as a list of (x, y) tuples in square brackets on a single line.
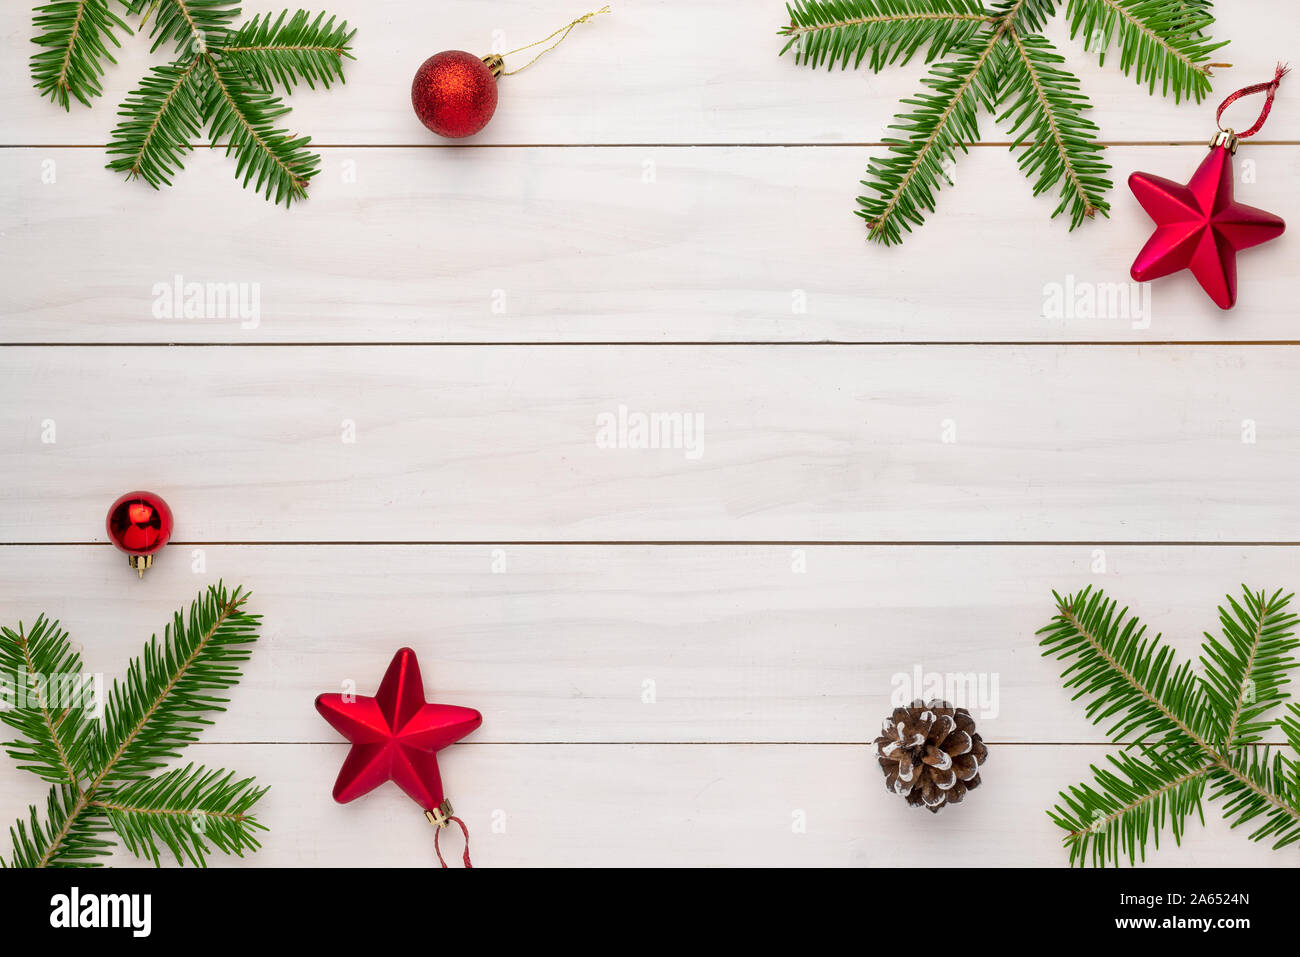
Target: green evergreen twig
[(99, 772), (223, 79), (993, 56), (1190, 732), (74, 36)]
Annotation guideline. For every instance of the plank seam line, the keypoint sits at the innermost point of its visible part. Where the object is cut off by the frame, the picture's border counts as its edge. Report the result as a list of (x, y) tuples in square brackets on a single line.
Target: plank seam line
[(675, 343), (790, 144), (691, 543)]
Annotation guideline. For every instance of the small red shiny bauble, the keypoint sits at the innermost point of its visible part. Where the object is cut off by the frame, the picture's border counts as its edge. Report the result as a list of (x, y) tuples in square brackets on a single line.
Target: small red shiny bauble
[(455, 93), (139, 523)]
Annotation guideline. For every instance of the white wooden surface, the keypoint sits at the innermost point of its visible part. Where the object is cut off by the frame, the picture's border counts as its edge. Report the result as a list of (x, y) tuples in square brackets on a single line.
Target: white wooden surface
[(666, 225), (572, 246)]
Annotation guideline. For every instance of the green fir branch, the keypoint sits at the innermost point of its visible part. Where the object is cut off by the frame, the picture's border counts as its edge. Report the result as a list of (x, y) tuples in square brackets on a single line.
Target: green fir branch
[(187, 811), (1203, 730), (1261, 786), (163, 703), (993, 56), (1059, 145), (889, 31), (188, 25), (224, 80), (282, 52), (160, 119), (1160, 42), (56, 741), (68, 837), (99, 785), (74, 36), (905, 184), (1246, 671), (1026, 16), (1130, 804), (245, 113), (1129, 679)]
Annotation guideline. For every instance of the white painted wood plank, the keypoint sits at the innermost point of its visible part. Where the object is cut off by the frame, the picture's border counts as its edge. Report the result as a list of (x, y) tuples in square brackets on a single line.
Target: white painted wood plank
[(655, 71), (646, 805), (571, 245), (823, 443), (407, 245), (646, 644)]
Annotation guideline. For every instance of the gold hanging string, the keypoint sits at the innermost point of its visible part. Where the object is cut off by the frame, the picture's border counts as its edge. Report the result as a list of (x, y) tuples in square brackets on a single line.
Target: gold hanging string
[(561, 33)]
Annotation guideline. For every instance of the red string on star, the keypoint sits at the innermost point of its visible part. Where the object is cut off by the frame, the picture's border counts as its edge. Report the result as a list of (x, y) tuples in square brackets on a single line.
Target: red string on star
[(1270, 88)]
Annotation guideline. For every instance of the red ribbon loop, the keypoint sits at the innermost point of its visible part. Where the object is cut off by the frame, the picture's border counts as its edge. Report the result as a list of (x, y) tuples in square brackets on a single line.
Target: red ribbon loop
[(1270, 87), (464, 830)]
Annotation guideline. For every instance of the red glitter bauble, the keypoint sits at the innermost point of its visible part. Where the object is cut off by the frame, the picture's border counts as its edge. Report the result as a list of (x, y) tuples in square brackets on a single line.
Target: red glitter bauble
[(454, 93), (139, 523)]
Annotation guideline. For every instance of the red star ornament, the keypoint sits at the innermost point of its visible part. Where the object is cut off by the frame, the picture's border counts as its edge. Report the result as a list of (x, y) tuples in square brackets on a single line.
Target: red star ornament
[(1200, 226), (395, 735)]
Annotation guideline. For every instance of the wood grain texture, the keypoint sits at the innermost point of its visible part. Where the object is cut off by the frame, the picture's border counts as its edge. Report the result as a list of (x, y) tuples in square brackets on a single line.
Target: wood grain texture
[(631, 805), (654, 71), (644, 644), (551, 245), (819, 443), (670, 671)]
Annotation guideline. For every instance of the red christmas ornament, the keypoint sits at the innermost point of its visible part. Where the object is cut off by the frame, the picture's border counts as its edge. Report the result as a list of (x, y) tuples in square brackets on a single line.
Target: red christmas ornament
[(395, 737), (1199, 226), (454, 93), (139, 523)]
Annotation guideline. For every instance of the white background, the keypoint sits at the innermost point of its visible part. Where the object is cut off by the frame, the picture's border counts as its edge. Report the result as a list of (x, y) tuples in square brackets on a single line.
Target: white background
[(651, 202)]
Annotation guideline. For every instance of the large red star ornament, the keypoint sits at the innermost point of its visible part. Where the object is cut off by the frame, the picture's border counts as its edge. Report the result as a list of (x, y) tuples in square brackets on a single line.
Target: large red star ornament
[(395, 735), (1200, 227)]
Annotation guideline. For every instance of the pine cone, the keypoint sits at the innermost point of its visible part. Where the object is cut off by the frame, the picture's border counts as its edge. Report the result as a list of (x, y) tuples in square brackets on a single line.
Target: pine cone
[(931, 753)]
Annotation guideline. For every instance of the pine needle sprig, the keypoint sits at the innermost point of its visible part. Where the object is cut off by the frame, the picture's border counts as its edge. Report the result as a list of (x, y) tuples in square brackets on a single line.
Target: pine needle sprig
[(1191, 733), (224, 79), (1128, 678), (1026, 16), (1260, 784), (188, 25), (904, 185), (56, 741), (1245, 673), (163, 703), (245, 115), (160, 119), (98, 768), (840, 32), (1059, 143), (1129, 804), (992, 56), (1160, 42), (74, 36), (68, 837), (182, 811), (284, 51)]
